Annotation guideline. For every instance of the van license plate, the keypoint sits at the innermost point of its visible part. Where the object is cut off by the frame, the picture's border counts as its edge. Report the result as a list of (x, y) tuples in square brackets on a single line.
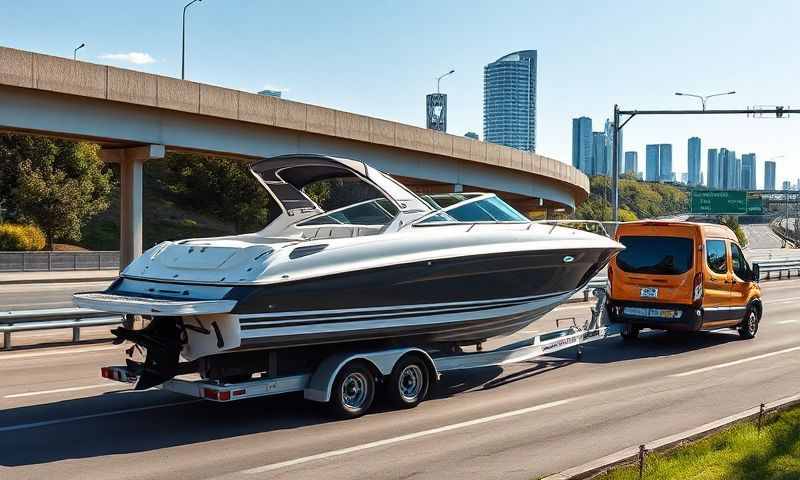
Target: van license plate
[(648, 292)]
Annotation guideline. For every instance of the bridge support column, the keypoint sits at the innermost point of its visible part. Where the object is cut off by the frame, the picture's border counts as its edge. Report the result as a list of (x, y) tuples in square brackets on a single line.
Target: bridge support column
[(131, 161)]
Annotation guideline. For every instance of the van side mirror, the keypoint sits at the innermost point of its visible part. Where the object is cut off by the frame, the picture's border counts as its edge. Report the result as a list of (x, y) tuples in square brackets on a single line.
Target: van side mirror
[(755, 273)]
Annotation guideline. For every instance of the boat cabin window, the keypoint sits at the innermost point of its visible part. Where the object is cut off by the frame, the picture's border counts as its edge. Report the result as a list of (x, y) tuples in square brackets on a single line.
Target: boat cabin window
[(488, 209)]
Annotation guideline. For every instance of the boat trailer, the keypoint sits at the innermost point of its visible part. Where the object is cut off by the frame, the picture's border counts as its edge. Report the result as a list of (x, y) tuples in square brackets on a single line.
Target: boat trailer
[(326, 382)]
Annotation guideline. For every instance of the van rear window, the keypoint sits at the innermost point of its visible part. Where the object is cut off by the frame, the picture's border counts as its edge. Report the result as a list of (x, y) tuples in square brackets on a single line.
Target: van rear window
[(655, 255)]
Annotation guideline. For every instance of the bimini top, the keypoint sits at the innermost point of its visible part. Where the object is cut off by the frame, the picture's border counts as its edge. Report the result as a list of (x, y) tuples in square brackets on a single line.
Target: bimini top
[(286, 176)]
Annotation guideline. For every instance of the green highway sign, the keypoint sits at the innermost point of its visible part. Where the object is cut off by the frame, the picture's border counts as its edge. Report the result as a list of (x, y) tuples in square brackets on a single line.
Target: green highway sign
[(725, 202)]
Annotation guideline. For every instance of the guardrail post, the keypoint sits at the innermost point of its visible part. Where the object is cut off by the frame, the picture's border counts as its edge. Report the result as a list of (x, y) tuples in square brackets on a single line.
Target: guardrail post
[(50, 261), (6, 340), (586, 295), (76, 334)]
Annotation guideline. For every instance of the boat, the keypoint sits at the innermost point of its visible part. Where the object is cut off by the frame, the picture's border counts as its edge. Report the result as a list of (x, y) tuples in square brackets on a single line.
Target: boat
[(349, 255)]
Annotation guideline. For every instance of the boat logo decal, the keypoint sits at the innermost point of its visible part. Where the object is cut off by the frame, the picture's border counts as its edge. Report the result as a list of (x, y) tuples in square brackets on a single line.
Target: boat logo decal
[(569, 259)]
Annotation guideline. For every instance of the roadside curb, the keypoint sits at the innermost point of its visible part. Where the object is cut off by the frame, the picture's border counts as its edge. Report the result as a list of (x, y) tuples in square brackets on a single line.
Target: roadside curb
[(600, 465), (23, 281)]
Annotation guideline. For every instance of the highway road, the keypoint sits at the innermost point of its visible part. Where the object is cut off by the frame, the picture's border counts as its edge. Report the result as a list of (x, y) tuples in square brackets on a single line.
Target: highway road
[(43, 295), (761, 236), (58, 419)]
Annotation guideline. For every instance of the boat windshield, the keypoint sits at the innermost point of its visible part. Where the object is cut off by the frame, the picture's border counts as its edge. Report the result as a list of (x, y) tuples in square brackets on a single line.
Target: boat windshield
[(377, 211), (473, 208)]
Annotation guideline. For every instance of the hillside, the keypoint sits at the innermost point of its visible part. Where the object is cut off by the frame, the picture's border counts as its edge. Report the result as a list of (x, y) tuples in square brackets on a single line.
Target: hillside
[(637, 200)]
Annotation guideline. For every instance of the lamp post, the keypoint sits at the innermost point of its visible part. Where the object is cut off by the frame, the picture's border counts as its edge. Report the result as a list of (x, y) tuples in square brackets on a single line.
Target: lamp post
[(75, 52), (704, 98), (183, 38), (439, 79)]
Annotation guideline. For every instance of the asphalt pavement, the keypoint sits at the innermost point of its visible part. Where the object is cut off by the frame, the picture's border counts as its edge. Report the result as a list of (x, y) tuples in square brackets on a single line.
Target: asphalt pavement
[(60, 420), (761, 236)]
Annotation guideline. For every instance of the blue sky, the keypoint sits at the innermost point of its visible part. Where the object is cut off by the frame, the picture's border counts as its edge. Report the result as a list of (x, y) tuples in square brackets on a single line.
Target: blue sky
[(380, 58)]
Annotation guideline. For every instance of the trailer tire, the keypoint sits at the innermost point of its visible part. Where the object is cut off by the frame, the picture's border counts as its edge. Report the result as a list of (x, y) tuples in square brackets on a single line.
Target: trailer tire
[(409, 382), (353, 390)]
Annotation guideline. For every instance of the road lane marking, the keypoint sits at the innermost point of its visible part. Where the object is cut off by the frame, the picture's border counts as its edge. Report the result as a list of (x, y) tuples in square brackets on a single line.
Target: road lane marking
[(403, 438), (61, 390), (735, 362), (46, 423), (13, 356), (784, 322)]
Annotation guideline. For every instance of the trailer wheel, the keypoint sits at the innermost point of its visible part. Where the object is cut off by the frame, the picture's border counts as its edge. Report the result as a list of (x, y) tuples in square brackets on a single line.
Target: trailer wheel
[(353, 390), (409, 382)]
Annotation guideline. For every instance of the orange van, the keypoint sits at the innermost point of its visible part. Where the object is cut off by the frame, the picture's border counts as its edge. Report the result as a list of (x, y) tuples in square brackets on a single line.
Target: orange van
[(682, 276)]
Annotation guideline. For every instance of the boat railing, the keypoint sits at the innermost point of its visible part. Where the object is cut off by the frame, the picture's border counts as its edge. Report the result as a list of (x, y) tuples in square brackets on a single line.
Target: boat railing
[(592, 226)]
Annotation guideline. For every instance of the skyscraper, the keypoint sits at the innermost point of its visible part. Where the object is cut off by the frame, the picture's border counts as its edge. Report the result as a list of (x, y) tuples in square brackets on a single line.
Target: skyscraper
[(665, 162), (509, 100), (631, 162), (582, 144), (713, 169), (652, 168), (693, 175), (749, 171), (436, 111), (599, 154), (769, 175)]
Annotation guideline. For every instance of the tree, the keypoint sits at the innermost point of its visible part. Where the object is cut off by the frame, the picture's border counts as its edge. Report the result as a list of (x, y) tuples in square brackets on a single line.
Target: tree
[(636, 199), (57, 184)]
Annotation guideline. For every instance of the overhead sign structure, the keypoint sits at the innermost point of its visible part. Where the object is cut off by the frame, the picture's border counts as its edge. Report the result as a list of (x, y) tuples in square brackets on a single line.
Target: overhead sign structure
[(711, 202)]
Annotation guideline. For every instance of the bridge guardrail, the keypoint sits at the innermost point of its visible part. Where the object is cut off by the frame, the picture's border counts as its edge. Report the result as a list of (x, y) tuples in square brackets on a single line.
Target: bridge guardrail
[(53, 318), (58, 261), (779, 266)]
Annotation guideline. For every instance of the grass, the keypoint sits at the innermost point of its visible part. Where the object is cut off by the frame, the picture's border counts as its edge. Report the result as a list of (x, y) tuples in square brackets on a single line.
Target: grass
[(738, 453)]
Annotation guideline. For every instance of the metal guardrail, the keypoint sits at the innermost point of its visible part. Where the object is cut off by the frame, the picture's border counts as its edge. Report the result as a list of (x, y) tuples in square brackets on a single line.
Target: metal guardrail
[(58, 261), (54, 318), (779, 266)]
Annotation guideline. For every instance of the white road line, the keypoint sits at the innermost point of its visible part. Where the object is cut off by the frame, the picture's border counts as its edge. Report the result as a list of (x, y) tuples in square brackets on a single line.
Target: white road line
[(784, 322), (60, 390), (14, 356), (403, 438), (45, 423), (735, 362)]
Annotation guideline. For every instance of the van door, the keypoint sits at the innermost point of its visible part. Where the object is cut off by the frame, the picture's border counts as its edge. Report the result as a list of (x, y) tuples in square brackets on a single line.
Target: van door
[(716, 283), (740, 285)]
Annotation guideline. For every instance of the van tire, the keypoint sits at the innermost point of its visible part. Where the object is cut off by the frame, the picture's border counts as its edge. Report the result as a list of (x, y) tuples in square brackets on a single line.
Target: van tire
[(629, 333), (749, 326)]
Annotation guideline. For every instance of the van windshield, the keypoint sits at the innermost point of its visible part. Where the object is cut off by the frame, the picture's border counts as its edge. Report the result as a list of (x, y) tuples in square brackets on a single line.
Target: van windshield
[(655, 255)]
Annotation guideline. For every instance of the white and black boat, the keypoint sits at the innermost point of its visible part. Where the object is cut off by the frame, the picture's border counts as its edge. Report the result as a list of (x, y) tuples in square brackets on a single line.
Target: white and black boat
[(370, 262)]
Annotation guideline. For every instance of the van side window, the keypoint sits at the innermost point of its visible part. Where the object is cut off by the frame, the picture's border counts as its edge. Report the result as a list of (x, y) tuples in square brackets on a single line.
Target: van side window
[(740, 266), (716, 257)]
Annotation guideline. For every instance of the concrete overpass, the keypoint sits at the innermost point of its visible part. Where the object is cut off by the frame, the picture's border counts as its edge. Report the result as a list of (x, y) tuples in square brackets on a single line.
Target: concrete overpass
[(138, 116)]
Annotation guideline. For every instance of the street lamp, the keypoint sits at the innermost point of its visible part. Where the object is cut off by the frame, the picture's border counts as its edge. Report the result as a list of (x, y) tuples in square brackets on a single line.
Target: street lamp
[(183, 38), (75, 52), (439, 79), (704, 98)]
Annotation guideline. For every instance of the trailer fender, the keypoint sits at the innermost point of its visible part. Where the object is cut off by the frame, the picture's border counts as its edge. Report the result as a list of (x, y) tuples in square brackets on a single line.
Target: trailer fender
[(382, 362)]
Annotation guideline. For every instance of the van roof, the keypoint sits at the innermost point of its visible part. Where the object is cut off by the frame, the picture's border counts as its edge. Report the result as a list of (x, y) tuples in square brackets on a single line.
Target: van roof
[(708, 229)]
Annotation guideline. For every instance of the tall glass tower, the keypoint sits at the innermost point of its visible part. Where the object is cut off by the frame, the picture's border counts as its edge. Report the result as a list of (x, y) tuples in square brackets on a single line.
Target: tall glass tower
[(509, 101), (694, 161), (582, 144), (769, 175)]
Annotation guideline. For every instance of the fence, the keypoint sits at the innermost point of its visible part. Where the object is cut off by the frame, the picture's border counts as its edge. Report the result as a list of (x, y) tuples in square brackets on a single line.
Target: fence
[(58, 261)]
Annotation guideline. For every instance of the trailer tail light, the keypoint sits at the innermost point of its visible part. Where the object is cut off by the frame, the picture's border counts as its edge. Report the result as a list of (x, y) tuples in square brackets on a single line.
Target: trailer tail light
[(240, 392), (698, 286), (219, 395), (105, 373), (210, 394)]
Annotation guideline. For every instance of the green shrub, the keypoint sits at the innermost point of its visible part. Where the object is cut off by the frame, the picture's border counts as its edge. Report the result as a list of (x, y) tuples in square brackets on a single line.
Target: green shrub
[(21, 237)]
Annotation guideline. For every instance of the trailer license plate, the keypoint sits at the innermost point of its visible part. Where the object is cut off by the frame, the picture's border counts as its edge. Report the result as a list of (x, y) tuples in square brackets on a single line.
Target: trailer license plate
[(648, 292)]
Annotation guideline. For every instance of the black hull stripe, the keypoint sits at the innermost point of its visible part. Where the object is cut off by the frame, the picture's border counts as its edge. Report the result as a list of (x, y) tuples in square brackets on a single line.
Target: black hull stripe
[(317, 321), (388, 312)]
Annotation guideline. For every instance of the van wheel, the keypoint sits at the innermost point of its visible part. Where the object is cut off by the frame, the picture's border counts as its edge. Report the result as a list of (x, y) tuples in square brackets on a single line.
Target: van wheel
[(353, 391), (630, 333), (749, 326), (409, 382)]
